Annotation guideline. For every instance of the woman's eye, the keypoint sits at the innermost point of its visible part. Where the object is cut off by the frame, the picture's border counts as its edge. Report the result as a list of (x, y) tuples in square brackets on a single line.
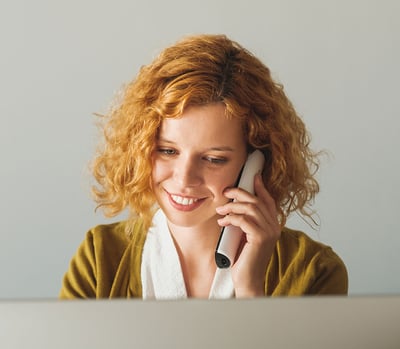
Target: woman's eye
[(215, 160), (167, 151)]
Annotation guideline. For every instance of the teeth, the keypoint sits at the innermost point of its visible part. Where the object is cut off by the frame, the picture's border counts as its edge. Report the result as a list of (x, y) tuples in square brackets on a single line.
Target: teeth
[(183, 201)]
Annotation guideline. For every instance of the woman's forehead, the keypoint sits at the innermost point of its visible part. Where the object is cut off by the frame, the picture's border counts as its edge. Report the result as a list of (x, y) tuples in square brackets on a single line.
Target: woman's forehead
[(204, 124)]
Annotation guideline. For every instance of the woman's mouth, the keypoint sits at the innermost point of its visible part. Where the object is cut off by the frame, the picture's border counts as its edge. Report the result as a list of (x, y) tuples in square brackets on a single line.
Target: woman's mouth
[(183, 200), (184, 203)]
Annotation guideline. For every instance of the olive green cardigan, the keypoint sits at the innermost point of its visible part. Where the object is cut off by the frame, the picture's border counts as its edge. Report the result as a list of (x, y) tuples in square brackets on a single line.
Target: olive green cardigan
[(108, 262)]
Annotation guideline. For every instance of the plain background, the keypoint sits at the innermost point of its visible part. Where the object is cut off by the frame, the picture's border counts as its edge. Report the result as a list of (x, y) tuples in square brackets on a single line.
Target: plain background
[(62, 61)]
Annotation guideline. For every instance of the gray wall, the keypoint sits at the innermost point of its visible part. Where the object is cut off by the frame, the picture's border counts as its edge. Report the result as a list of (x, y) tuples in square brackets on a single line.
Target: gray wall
[(62, 61)]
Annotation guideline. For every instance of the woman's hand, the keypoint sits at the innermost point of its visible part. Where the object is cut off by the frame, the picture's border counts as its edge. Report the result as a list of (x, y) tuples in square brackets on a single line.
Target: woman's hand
[(256, 216)]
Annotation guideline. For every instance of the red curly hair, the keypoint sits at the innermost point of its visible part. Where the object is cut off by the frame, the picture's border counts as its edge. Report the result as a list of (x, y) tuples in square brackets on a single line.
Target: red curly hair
[(200, 70)]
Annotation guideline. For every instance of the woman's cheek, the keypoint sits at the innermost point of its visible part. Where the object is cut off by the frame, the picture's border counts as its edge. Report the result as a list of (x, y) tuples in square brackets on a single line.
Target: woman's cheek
[(159, 171)]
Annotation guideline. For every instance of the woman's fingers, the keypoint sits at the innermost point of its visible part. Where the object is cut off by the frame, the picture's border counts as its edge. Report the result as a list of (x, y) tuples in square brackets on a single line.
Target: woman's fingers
[(260, 209)]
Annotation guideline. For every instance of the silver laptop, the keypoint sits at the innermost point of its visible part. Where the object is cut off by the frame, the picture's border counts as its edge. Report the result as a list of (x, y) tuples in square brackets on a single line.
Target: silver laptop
[(310, 322)]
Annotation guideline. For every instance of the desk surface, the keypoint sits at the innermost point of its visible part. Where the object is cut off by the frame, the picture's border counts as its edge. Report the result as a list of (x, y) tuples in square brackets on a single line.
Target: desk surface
[(311, 322)]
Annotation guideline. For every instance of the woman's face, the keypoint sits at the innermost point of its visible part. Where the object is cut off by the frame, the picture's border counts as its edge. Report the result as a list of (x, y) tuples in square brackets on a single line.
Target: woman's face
[(196, 157)]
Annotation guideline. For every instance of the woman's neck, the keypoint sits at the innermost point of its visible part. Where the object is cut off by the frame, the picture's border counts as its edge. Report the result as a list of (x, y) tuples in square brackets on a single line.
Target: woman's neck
[(201, 239), (196, 250)]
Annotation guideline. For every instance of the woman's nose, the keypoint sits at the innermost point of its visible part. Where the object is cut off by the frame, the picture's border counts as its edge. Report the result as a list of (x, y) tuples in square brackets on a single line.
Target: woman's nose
[(187, 172)]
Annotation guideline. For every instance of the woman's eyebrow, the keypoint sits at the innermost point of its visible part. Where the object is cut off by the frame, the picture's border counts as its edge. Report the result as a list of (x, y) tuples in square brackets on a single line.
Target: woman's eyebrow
[(164, 140), (213, 148), (222, 148)]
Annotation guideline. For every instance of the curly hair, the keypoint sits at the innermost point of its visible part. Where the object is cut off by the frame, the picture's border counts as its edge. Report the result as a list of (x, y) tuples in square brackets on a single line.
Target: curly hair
[(199, 70)]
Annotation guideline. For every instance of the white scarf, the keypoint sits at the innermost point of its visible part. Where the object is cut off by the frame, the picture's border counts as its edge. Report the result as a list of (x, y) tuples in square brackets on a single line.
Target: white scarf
[(161, 271)]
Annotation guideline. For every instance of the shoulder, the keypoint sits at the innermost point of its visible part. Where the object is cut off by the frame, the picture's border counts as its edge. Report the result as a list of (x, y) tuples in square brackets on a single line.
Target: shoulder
[(297, 245), (109, 242), (109, 234), (116, 235), (95, 265), (296, 242), (307, 266)]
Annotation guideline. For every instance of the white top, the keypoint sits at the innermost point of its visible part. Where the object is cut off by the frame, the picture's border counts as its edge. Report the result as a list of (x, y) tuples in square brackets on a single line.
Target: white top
[(161, 271)]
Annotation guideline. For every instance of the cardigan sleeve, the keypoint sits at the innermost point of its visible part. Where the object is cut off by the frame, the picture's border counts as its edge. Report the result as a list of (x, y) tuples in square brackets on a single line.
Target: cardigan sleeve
[(93, 268), (327, 274), (80, 279)]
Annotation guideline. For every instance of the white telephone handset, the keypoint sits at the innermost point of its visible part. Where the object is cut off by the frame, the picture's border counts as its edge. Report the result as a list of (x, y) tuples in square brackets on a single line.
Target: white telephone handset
[(231, 236)]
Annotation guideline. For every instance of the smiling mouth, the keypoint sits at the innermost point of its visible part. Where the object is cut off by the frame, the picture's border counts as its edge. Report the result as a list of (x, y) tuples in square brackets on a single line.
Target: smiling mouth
[(184, 201)]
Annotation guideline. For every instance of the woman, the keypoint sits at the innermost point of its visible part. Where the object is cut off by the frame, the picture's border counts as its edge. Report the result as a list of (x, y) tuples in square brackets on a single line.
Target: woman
[(174, 147)]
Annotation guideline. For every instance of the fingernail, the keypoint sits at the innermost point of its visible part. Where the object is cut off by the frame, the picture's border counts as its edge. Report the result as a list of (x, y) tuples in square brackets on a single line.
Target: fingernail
[(220, 209), (220, 221)]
